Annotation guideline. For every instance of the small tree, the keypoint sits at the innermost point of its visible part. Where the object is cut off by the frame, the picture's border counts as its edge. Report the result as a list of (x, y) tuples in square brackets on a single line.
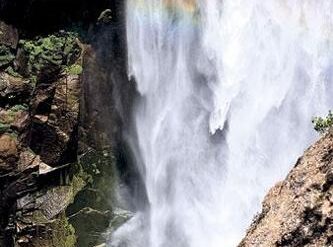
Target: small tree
[(322, 125)]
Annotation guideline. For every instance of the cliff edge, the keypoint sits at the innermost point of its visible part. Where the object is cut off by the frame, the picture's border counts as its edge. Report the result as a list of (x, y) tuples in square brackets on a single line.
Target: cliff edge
[(299, 210)]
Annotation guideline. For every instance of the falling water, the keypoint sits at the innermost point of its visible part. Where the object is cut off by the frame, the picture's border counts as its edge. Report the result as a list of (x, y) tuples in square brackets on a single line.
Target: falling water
[(227, 92)]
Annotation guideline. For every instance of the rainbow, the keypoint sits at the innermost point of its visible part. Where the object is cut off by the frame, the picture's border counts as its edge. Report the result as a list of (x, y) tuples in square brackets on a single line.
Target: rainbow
[(185, 6), (188, 9)]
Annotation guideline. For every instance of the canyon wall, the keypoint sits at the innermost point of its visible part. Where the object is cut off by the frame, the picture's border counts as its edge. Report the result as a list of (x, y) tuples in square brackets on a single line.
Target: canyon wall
[(61, 156), (299, 210)]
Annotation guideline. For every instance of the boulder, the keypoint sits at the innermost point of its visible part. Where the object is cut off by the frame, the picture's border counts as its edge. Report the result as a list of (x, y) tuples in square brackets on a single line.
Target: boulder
[(14, 90), (21, 121), (14, 115)]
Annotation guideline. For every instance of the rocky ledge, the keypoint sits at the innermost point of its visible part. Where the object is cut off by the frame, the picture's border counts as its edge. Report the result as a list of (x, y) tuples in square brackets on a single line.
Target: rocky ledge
[(299, 210)]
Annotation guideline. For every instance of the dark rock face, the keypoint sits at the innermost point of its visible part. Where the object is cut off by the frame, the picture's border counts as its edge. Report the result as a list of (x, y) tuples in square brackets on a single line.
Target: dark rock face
[(8, 42), (299, 210), (8, 35), (39, 118), (55, 120), (62, 114), (105, 119)]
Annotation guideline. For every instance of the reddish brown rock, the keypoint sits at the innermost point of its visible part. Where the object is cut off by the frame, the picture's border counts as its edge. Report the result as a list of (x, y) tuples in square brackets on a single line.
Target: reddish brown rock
[(14, 89), (7, 147), (21, 121), (8, 153)]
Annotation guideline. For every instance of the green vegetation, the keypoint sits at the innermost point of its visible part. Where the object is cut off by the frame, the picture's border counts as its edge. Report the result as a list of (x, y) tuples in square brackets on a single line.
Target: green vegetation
[(18, 108), (74, 69), (322, 125), (8, 117), (12, 72), (4, 128), (54, 52), (63, 233)]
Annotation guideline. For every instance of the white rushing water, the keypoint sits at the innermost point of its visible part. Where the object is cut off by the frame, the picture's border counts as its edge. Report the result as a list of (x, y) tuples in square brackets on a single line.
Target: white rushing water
[(228, 89)]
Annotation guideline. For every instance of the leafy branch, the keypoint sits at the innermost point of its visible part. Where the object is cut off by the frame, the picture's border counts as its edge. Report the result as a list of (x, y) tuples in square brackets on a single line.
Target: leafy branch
[(323, 124)]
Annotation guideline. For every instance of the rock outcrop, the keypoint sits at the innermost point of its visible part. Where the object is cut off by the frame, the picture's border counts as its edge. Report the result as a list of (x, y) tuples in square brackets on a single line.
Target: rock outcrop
[(39, 114), (299, 210), (58, 158)]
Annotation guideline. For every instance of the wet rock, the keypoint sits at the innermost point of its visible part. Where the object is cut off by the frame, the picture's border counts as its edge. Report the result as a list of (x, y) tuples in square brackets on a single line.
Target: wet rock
[(100, 245), (119, 217), (91, 221), (299, 210), (105, 17)]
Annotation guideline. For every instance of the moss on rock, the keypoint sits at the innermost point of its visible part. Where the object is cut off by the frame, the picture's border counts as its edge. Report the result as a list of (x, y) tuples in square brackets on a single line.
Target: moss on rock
[(95, 203), (62, 235), (74, 69), (4, 128)]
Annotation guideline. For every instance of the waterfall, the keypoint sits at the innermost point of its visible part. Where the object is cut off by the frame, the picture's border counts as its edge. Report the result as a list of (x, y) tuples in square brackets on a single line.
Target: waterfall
[(227, 92)]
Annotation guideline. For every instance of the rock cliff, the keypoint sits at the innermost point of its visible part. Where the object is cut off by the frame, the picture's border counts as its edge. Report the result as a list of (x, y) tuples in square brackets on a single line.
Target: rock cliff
[(60, 150), (299, 210)]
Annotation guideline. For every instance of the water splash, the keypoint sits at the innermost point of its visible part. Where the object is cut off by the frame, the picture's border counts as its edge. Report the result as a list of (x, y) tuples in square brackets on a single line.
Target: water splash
[(228, 89)]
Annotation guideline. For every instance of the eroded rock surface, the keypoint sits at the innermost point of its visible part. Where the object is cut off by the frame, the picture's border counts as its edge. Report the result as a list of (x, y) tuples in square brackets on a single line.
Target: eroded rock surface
[(39, 115), (63, 102), (299, 210)]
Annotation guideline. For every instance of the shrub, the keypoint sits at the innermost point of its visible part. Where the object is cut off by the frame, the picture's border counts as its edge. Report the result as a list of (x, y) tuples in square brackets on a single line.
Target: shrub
[(322, 125), (53, 52)]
